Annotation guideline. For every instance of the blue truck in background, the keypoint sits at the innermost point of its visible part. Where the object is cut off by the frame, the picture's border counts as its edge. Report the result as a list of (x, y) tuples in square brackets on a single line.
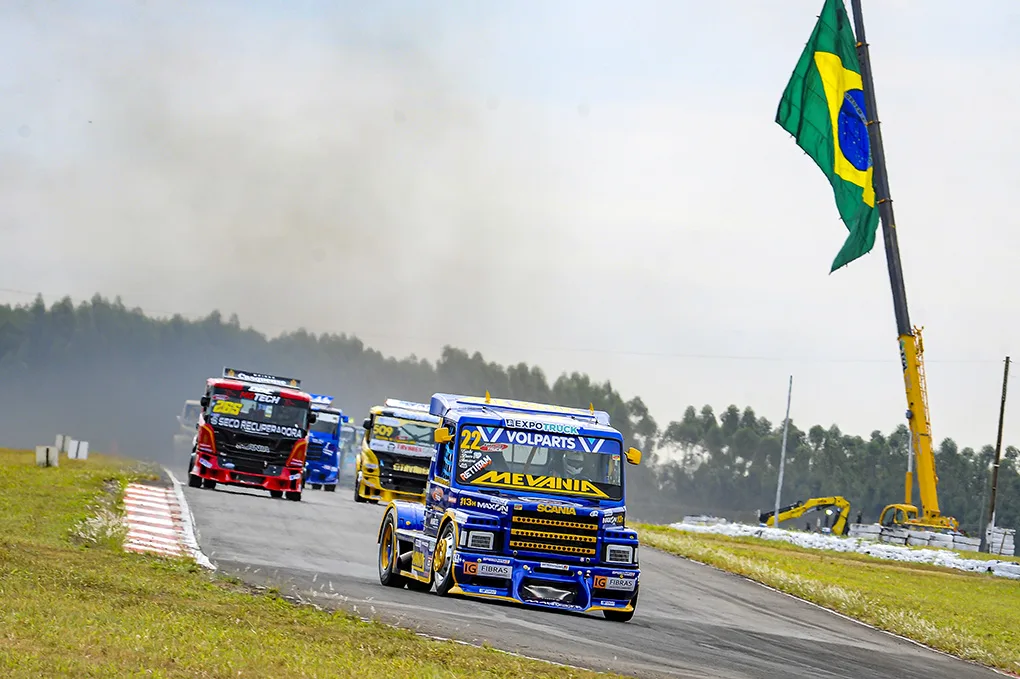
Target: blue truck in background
[(322, 461), (525, 502)]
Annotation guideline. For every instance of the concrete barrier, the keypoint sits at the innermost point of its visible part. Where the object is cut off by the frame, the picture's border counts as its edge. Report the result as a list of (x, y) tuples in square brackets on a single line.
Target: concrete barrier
[(47, 456)]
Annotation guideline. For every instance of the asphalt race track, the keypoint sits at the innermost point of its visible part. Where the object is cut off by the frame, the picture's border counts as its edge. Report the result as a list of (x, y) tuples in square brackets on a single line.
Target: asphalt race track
[(692, 620)]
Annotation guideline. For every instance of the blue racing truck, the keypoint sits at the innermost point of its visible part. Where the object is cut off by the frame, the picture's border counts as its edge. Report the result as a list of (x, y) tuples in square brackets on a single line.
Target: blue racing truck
[(524, 502), (322, 463)]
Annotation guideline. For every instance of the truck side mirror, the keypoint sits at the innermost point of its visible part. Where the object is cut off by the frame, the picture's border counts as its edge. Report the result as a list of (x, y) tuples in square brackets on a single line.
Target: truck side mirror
[(367, 424), (204, 401), (312, 417), (633, 455), (442, 435)]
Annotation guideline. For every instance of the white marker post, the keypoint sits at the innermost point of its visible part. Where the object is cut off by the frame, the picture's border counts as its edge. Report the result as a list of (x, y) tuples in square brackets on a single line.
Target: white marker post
[(782, 454)]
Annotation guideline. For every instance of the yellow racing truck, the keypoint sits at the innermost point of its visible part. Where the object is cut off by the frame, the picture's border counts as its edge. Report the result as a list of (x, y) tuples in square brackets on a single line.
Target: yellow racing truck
[(396, 451)]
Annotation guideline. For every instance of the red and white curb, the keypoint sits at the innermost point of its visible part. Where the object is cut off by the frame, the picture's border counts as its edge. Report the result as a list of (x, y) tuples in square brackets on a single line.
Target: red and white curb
[(153, 520), (159, 522)]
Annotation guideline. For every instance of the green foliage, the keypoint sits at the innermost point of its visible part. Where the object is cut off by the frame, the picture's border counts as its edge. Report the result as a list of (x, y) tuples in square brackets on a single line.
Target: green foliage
[(116, 377)]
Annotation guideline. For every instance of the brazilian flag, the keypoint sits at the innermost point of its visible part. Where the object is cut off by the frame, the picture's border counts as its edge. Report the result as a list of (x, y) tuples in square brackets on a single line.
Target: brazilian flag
[(823, 108)]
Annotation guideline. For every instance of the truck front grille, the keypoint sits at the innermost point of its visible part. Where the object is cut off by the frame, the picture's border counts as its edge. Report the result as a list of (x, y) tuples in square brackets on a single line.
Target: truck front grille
[(314, 453), (394, 474), (251, 454), (540, 532)]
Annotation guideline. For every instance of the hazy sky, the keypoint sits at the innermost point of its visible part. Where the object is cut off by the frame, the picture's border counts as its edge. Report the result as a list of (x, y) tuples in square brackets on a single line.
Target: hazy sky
[(591, 185)]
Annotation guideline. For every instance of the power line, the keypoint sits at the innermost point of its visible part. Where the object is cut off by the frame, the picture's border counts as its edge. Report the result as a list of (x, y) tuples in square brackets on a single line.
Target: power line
[(567, 350)]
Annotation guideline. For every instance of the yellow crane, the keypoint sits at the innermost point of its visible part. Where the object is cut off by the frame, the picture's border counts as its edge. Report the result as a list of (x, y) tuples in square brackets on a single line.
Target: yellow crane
[(922, 451), (911, 348)]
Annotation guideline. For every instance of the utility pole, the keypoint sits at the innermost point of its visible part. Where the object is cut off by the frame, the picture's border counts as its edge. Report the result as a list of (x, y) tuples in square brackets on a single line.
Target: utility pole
[(782, 453), (995, 466)]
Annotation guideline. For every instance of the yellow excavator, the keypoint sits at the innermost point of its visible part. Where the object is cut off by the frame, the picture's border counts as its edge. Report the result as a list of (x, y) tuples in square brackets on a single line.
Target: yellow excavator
[(841, 526)]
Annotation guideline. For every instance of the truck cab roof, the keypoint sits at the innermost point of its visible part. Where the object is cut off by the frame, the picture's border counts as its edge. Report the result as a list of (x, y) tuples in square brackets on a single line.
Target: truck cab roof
[(234, 383), (406, 410), (504, 412)]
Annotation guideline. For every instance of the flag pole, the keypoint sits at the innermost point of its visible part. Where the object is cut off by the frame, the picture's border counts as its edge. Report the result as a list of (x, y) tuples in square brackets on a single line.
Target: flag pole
[(884, 200)]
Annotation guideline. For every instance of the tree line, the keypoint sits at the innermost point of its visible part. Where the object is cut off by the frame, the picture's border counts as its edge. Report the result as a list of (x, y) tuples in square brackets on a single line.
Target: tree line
[(117, 377)]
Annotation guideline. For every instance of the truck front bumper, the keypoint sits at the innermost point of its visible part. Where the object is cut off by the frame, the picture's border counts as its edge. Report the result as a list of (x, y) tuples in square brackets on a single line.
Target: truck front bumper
[(320, 473), (544, 584), (281, 478), (371, 488)]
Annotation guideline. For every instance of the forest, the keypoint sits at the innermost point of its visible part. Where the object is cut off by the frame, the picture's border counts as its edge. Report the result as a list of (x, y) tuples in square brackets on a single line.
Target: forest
[(117, 377)]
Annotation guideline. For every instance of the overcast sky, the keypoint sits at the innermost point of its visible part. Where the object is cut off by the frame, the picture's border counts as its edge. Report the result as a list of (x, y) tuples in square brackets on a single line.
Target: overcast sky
[(593, 186)]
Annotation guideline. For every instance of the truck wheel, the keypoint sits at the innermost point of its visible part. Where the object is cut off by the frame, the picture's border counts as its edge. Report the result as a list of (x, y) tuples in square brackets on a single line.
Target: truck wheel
[(357, 486), (316, 486), (276, 493), (330, 487), (208, 483), (622, 616), (294, 495), (389, 549), (442, 559), (194, 480)]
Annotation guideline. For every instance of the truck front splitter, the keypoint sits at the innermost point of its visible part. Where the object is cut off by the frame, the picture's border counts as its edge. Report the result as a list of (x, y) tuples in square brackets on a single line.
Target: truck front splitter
[(572, 587)]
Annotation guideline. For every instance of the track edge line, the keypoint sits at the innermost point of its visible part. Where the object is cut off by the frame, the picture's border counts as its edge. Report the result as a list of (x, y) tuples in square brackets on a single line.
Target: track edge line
[(190, 528), (838, 614)]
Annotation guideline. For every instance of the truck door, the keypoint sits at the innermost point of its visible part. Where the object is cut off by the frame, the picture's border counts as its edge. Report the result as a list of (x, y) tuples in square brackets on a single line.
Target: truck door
[(437, 493)]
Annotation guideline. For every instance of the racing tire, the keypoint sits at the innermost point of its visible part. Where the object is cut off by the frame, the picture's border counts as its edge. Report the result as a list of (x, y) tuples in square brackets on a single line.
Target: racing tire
[(316, 486), (294, 495), (194, 481), (442, 568), (208, 483), (276, 493), (389, 548), (622, 616), (329, 487), (357, 487)]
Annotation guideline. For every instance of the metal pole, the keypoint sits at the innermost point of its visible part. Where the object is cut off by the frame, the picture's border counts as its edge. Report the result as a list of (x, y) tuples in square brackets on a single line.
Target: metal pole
[(995, 465), (782, 454)]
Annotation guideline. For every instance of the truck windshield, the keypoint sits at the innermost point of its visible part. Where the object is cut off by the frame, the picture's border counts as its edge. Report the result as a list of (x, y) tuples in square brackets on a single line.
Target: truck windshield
[(325, 423), (260, 411), (190, 415), (526, 462), (402, 431)]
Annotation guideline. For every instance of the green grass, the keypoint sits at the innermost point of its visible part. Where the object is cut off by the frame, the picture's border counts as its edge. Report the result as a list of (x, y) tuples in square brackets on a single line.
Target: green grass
[(971, 615), (73, 603)]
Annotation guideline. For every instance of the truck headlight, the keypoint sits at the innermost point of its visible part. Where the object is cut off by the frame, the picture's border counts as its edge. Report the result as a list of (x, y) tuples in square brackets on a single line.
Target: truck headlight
[(481, 539), (619, 554)]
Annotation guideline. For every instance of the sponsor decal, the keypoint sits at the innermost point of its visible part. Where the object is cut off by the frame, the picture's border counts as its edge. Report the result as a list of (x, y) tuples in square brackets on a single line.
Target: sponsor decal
[(545, 484), (606, 582), (400, 448), (261, 378), (552, 427), (227, 407), (247, 426), (488, 570), (255, 447), (475, 468), (490, 506), (528, 438), (410, 468), (263, 398), (437, 494), (555, 566), (418, 561), (557, 509), (486, 590), (494, 447), (613, 519)]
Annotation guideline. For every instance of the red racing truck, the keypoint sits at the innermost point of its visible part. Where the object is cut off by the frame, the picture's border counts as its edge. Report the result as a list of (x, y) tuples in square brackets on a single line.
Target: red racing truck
[(252, 432)]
